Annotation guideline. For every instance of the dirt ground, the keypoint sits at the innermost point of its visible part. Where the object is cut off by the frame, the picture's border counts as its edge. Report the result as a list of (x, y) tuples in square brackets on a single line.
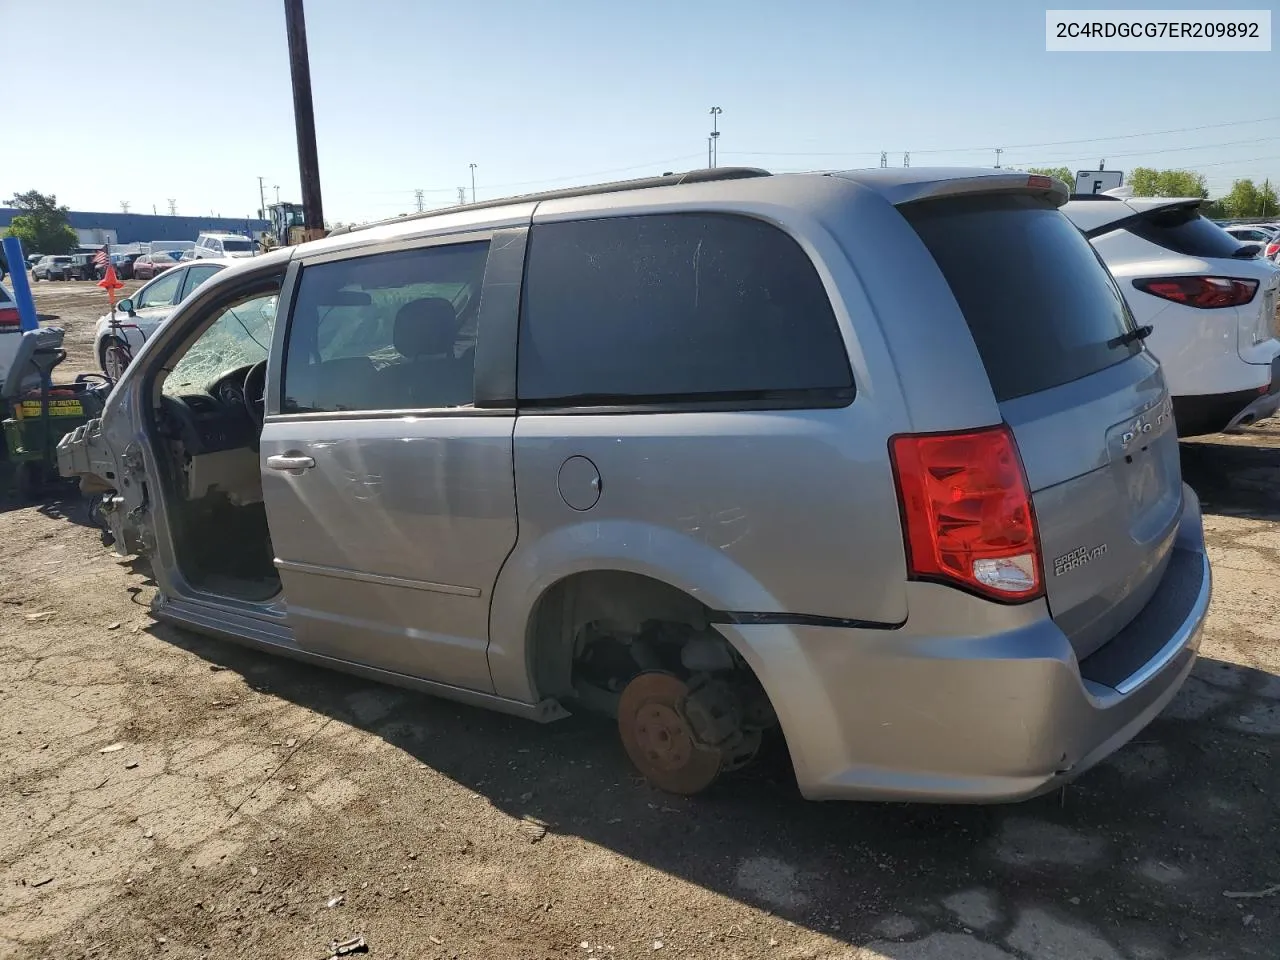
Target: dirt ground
[(166, 795)]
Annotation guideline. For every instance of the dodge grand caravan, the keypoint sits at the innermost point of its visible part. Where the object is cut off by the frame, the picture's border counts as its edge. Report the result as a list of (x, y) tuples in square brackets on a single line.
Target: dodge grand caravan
[(876, 458)]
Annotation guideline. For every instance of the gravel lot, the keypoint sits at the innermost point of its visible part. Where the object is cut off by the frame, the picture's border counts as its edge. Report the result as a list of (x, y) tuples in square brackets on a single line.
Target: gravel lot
[(260, 808)]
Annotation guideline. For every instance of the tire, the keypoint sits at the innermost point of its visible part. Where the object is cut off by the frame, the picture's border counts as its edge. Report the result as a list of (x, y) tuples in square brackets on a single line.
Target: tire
[(29, 481), (113, 357)]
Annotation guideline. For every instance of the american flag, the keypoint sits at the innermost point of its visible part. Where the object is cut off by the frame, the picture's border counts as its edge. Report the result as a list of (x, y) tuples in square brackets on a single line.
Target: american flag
[(100, 258)]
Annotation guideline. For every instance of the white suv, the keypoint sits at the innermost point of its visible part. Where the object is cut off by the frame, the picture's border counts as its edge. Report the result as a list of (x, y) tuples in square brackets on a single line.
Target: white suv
[(224, 245), (1209, 301)]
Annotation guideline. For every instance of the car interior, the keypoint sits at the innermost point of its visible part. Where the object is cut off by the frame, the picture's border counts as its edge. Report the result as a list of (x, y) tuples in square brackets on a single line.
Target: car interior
[(378, 341)]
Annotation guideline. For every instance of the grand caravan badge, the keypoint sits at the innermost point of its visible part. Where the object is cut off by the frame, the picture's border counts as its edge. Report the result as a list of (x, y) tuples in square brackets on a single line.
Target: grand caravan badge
[(1077, 558)]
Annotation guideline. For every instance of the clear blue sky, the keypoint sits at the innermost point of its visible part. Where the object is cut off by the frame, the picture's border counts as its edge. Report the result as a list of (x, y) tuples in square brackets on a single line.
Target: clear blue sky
[(196, 100)]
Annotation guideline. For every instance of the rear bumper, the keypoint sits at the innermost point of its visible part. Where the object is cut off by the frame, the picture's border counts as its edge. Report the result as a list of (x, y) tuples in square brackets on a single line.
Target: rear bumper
[(1201, 414), (948, 710)]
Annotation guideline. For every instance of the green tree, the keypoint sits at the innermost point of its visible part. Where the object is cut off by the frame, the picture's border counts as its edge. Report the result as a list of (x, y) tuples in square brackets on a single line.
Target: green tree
[(1148, 182), (42, 225), (1062, 173), (1242, 201), (1246, 200), (1269, 203)]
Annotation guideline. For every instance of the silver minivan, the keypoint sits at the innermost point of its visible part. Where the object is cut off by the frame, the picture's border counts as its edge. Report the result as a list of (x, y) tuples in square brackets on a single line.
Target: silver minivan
[(877, 458)]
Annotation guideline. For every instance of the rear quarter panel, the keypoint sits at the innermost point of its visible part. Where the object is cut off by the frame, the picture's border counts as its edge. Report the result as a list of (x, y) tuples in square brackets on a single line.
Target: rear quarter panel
[(791, 512)]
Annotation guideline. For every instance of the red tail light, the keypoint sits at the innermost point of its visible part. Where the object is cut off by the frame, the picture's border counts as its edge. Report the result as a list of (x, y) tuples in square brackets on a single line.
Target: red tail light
[(9, 318), (1272, 249), (967, 512), (1203, 292)]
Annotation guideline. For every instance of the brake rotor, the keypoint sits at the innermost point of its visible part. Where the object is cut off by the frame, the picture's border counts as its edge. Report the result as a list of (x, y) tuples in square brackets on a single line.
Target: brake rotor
[(659, 739)]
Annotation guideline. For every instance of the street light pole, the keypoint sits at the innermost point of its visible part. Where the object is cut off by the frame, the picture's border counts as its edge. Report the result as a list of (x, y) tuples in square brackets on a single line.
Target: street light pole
[(262, 197), (473, 181), (304, 119), (715, 137)]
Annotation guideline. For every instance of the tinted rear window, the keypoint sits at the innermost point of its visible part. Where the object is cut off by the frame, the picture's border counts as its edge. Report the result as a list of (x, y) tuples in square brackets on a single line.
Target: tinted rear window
[(676, 308), (1183, 230), (1040, 305)]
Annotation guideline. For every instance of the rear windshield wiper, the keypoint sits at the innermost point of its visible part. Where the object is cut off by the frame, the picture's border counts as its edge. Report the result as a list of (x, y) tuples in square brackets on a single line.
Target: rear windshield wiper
[(1133, 336)]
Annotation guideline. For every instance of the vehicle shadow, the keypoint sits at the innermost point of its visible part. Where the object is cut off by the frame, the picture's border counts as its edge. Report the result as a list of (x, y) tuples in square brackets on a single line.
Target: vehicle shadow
[(1235, 476), (1138, 850), (59, 501)]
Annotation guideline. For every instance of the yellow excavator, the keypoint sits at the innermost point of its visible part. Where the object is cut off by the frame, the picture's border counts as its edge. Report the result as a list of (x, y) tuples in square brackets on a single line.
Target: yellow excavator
[(287, 226)]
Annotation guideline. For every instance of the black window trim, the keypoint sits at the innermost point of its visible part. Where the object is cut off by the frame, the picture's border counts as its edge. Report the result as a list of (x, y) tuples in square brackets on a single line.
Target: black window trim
[(825, 398), (280, 342)]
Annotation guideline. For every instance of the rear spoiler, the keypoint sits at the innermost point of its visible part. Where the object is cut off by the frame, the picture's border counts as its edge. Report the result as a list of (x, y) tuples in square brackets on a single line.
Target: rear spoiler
[(915, 185), (1123, 222)]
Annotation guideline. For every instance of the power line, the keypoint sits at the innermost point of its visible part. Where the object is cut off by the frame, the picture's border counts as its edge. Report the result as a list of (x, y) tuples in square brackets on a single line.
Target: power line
[(1130, 136), (987, 147), (1153, 153)]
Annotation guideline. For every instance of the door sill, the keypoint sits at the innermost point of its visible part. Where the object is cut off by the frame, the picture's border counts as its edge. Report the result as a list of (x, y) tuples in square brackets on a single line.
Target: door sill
[(230, 620)]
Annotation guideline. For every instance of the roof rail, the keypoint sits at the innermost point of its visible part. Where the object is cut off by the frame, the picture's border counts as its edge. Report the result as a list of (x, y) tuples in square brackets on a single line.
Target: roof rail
[(704, 175)]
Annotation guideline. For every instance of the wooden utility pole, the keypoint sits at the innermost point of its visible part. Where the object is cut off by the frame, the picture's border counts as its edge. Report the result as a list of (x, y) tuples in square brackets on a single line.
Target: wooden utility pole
[(304, 120)]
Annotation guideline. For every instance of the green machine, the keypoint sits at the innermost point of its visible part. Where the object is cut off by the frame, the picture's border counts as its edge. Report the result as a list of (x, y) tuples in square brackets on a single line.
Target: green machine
[(38, 413)]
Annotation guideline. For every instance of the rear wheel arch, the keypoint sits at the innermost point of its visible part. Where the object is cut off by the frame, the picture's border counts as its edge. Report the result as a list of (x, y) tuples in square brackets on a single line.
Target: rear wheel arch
[(624, 645), (621, 599)]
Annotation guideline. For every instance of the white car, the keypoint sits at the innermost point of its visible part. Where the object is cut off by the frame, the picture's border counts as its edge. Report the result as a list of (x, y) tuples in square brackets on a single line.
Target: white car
[(10, 330), (1209, 302), (1265, 235), (138, 316), (223, 245)]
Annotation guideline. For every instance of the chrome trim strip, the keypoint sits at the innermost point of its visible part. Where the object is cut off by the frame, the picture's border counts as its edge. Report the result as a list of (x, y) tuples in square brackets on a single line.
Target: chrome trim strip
[(1184, 635), (382, 580)]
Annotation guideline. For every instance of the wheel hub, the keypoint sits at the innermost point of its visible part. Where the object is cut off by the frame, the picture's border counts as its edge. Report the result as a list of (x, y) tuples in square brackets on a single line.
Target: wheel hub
[(659, 739)]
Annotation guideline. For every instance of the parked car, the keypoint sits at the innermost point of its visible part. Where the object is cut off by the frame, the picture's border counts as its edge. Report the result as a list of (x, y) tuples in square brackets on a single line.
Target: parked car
[(150, 265), (224, 245), (1260, 234), (33, 259), (123, 262), (83, 267), (51, 268), (877, 457), (139, 315), (1210, 304), (10, 329)]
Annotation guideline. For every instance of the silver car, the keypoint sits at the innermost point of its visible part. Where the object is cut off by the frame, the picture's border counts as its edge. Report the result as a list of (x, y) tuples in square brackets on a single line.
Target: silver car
[(876, 458)]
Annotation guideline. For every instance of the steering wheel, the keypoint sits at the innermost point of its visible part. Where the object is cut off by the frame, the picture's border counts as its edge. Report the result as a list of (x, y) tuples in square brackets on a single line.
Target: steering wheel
[(255, 389)]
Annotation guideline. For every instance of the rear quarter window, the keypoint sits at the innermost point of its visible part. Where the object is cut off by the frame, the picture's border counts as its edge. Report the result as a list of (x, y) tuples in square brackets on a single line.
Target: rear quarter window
[(676, 308), (1042, 308)]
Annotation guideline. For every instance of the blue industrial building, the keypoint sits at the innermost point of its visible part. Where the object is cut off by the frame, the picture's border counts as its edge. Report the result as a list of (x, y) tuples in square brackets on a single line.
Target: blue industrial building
[(95, 228)]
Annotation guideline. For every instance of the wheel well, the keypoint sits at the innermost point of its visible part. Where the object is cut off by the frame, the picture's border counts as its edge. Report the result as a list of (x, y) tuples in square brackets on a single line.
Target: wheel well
[(593, 633), (611, 602)]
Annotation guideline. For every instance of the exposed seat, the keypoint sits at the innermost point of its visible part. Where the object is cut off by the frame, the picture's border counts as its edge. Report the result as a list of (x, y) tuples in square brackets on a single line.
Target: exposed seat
[(431, 374)]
